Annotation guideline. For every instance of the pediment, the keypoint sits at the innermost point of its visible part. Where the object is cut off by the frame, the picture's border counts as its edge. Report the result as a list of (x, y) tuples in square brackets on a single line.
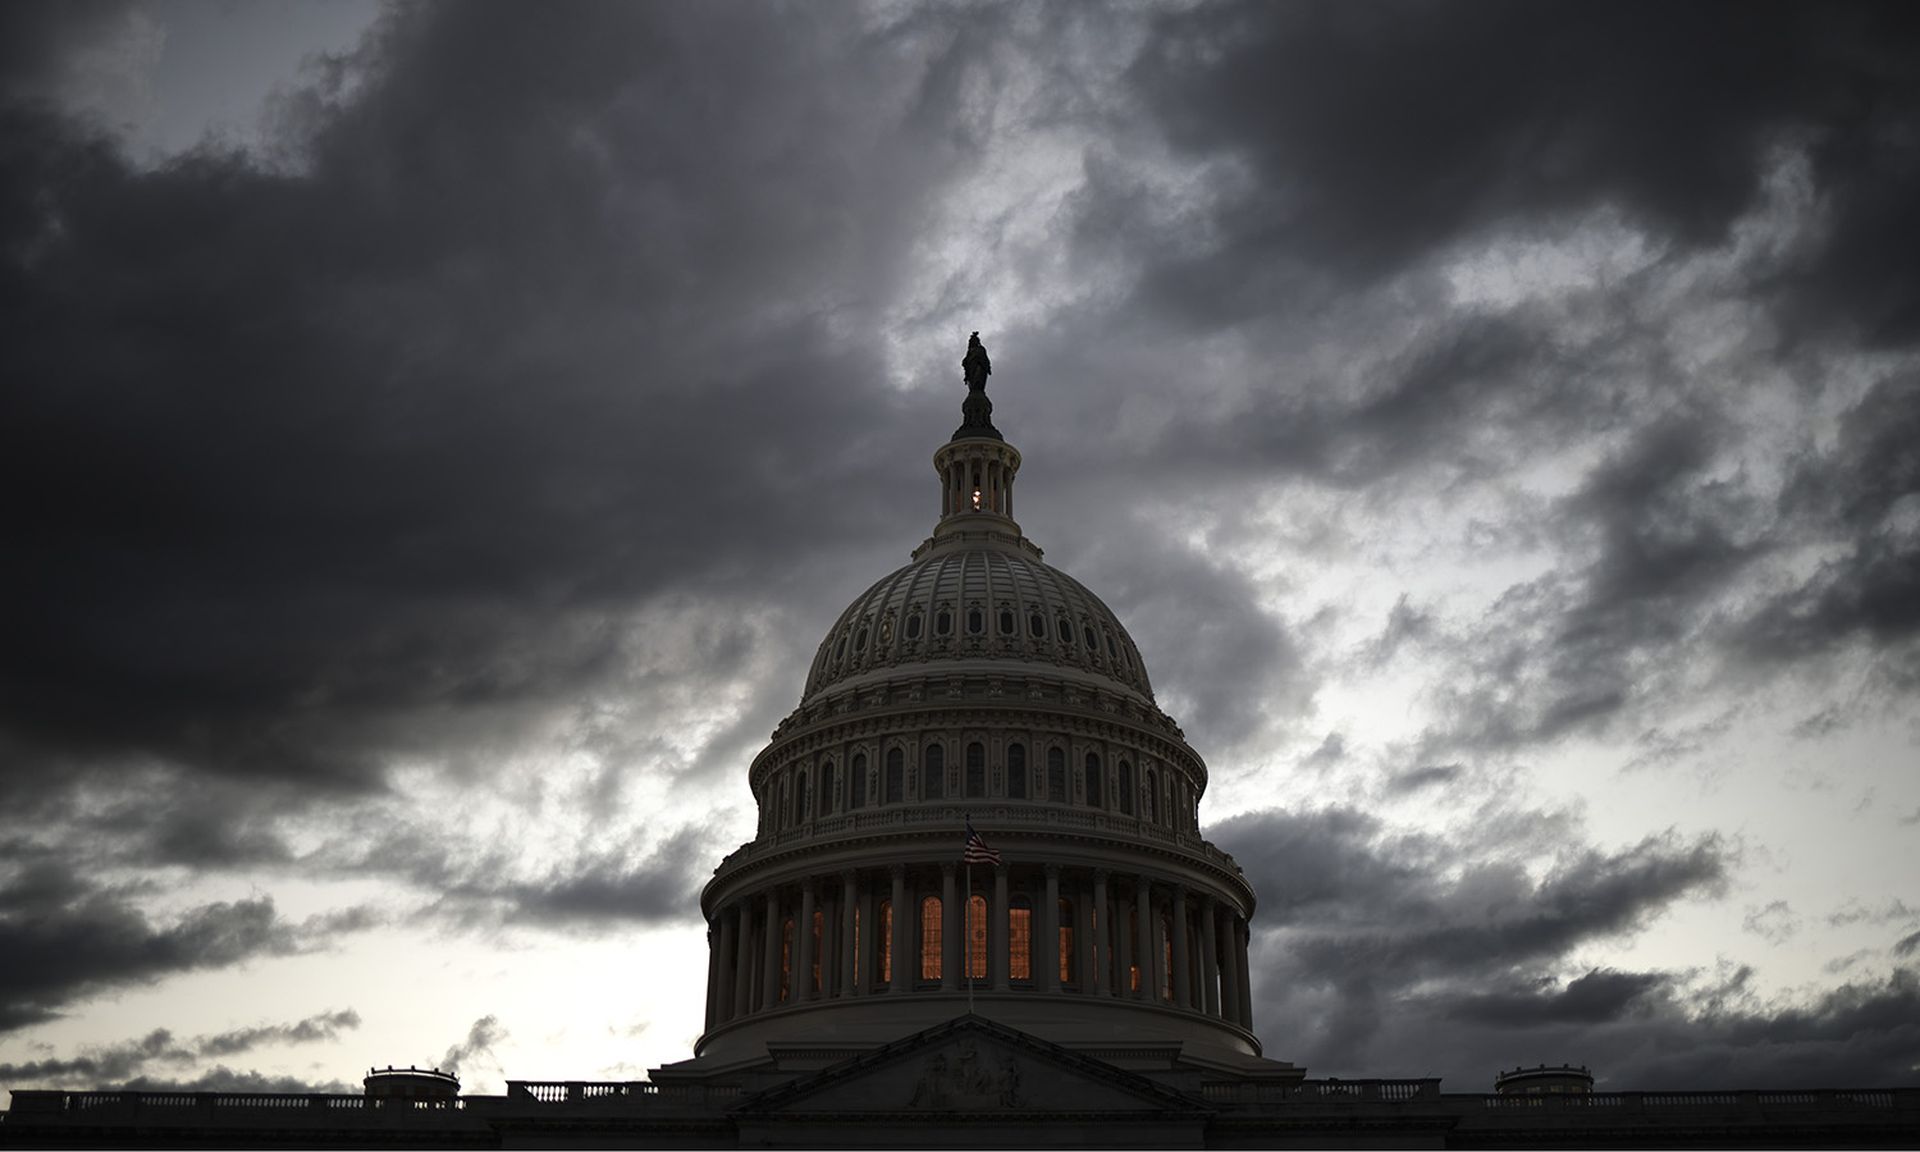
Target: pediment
[(971, 1065)]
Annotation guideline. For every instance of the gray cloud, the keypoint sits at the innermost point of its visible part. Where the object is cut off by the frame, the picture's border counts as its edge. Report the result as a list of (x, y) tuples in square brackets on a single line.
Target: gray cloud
[(126, 1064)]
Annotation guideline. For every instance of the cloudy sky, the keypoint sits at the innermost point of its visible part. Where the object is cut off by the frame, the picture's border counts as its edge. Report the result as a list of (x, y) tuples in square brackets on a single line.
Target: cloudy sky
[(434, 438)]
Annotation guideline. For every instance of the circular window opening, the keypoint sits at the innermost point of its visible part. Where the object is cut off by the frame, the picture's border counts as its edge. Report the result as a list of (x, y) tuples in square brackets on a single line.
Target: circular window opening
[(976, 621), (943, 623), (913, 626)]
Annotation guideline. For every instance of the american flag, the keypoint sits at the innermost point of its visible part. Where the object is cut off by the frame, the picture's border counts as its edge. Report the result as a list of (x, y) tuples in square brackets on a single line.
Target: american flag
[(976, 851)]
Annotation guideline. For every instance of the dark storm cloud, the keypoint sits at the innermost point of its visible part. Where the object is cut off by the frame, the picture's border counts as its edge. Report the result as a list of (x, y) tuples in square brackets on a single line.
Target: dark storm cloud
[(127, 1062), (314, 468), (63, 938), (1376, 134), (1373, 944), (480, 1041)]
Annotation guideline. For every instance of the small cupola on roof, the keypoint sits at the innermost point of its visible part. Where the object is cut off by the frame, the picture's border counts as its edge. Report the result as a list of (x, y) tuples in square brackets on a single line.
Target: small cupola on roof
[(977, 465)]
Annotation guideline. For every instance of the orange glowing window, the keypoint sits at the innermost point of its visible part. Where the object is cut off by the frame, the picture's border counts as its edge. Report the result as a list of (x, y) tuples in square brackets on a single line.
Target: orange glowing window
[(786, 957), (977, 938), (1066, 942), (1020, 941), (930, 938)]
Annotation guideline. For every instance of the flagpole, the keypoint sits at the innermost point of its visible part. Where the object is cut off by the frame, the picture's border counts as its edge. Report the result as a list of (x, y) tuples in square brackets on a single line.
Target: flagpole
[(966, 937)]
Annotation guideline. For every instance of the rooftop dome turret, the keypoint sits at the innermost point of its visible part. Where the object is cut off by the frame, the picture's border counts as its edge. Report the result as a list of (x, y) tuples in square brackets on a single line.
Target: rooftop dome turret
[(977, 681)]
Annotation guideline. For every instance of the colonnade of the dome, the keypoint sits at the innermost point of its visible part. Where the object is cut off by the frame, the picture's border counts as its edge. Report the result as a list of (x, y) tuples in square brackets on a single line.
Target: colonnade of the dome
[(913, 929)]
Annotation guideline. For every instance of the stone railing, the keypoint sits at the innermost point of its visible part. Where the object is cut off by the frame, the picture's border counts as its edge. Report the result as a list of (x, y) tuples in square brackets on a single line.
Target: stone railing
[(178, 1103), (989, 817), (614, 1092), (1646, 1101), (1322, 1092)]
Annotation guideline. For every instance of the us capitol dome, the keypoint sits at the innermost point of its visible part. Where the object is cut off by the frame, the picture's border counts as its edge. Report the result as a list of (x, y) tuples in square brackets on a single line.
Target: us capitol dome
[(977, 682)]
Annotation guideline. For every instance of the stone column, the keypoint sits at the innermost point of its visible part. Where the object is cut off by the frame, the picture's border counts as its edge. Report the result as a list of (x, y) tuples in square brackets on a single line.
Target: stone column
[(1209, 959), (770, 978), (729, 934), (801, 987), (1102, 950), (950, 937), (1143, 935), (713, 979), (1243, 935), (1182, 974), (902, 978), (849, 898), (1049, 951), (863, 969), (1229, 973), (743, 962), (997, 930)]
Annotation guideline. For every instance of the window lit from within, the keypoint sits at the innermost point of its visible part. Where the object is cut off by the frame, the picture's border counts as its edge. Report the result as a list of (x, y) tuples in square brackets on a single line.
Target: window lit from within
[(977, 938), (1066, 942), (1020, 941), (883, 940), (930, 938), (819, 925), (1133, 935), (786, 957), (1166, 961)]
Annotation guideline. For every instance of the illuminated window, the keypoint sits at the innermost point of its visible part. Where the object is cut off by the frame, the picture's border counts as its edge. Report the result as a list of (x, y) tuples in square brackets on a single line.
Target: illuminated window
[(819, 926), (930, 927), (883, 941), (1095, 778), (786, 958), (1166, 960), (977, 937), (1017, 771), (1066, 941), (896, 775), (857, 782), (976, 769), (1133, 935), (1020, 940), (1126, 787), (933, 782), (1056, 775)]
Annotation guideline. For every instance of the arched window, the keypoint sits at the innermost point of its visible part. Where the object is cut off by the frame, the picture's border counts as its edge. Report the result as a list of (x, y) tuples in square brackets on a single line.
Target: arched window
[(1066, 941), (786, 958), (1017, 771), (1166, 959), (829, 778), (785, 816), (933, 779), (1007, 625), (930, 943), (857, 782), (819, 926), (799, 796), (976, 622), (1126, 787), (1037, 626), (976, 769), (1096, 797), (1056, 776), (896, 775), (1152, 794), (943, 622), (1063, 629), (913, 625), (977, 937), (883, 943), (1133, 934), (1020, 940)]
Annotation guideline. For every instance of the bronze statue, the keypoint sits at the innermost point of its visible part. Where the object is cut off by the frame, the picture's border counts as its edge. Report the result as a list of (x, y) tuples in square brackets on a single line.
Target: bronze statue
[(976, 366)]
